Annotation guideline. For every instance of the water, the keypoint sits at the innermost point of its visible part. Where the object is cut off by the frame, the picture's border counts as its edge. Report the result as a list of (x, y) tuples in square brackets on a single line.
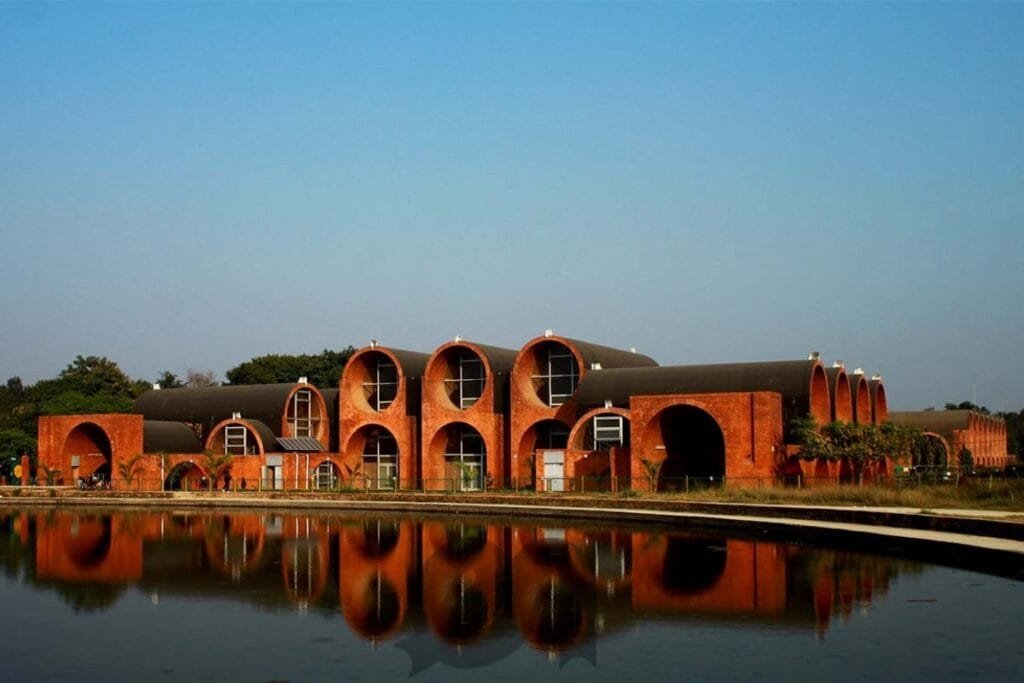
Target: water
[(266, 597)]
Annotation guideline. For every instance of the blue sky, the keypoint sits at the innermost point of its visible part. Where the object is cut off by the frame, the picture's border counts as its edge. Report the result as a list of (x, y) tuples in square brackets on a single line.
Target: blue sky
[(191, 185)]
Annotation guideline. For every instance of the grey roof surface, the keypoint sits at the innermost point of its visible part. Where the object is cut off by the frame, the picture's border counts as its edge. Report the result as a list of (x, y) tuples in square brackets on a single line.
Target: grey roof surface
[(942, 422), (501, 360), (413, 362), (267, 435), (168, 437), (208, 406), (301, 444), (792, 379), (608, 357)]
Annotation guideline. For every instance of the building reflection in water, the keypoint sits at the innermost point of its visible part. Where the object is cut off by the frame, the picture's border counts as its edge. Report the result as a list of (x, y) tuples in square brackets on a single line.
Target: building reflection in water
[(558, 588)]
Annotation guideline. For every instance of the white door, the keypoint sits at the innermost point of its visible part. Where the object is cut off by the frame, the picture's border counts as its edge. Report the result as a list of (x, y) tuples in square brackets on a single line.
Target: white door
[(554, 470)]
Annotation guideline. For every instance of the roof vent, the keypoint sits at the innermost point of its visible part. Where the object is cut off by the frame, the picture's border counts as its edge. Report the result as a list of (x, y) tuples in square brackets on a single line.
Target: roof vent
[(595, 366), (458, 337), (304, 380), (813, 355), (607, 403), (632, 349), (876, 377), (838, 364), (156, 386), (236, 416), (859, 371), (548, 332), (373, 343)]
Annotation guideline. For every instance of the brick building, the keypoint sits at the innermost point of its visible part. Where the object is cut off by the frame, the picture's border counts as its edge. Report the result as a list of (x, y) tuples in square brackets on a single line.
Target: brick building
[(558, 414)]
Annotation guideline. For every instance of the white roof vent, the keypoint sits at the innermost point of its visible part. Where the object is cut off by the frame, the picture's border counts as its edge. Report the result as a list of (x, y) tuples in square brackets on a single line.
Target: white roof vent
[(813, 355), (607, 403), (548, 332), (632, 349), (373, 343), (304, 380), (876, 377), (838, 364), (595, 366), (458, 337), (859, 371), (236, 416), (156, 386)]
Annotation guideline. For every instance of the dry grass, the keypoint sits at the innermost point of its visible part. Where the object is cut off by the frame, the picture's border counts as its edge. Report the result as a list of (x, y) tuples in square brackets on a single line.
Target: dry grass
[(975, 494)]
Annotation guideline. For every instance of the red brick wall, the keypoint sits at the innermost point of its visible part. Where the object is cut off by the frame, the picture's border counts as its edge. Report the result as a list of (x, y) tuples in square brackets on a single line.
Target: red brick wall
[(61, 436), (356, 416), (438, 412), (751, 425)]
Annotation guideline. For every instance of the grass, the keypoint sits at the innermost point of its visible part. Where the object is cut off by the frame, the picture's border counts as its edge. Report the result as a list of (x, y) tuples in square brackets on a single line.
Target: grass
[(972, 494)]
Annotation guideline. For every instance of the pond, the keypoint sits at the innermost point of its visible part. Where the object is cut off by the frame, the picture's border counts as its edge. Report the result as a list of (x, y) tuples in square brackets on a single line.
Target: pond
[(185, 596)]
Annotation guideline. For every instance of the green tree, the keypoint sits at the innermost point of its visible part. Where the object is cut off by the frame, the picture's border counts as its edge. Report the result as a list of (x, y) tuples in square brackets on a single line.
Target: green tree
[(168, 380), (131, 468), (322, 370), (215, 464)]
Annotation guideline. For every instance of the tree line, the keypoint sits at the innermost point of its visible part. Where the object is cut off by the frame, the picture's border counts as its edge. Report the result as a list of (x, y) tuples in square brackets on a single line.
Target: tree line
[(96, 384)]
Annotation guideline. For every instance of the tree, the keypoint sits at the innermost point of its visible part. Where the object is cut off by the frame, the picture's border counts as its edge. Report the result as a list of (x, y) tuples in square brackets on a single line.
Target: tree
[(323, 369), (215, 464), (200, 379), (967, 405), (130, 468), (96, 375), (965, 461), (168, 380)]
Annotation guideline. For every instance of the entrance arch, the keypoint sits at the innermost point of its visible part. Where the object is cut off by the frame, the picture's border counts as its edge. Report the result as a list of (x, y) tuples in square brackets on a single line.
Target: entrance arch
[(185, 476), (694, 448), (91, 445)]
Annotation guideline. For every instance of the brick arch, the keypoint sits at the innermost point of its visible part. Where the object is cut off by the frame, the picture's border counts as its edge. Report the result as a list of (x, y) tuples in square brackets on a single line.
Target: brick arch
[(359, 372), (217, 436), (693, 443), (649, 433), (93, 446), (578, 431), (529, 363)]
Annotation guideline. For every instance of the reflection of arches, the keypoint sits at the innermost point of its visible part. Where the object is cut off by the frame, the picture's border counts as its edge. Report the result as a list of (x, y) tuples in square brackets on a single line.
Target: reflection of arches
[(380, 608), (466, 612), (463, 541), (604, 559), (88, 544), (694, 447), (233, 552), (692, 565), (304, 566), (379, 538), (90, 443)]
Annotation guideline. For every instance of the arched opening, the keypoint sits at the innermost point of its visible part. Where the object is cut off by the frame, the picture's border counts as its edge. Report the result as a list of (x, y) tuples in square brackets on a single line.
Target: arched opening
[(380, 458), (90, 445), (554, 373), (846, 474), (465, 457), (931, 454), (603, 432), (694, 449), (820, 398), (235, 438), (306, 414), (464, 377), (373, 381), (543, 436), (693, 565), (185, 476), (327, 476)]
